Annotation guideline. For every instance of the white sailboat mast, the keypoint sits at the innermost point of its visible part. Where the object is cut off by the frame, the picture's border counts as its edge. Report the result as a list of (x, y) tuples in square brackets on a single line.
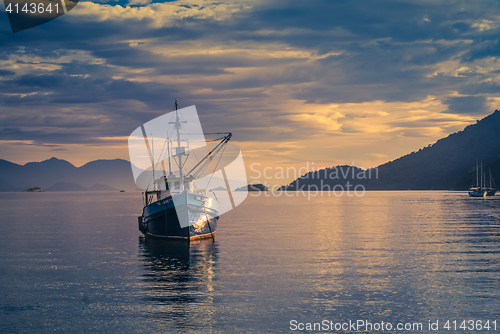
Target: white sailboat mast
[(477, 174), (482, 181)]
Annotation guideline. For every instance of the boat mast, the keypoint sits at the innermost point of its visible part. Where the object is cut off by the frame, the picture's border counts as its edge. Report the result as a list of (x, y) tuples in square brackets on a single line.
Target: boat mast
[(490, 177), (179, 156), (482, 181), (477, 175), (153, 159), (169, 163)]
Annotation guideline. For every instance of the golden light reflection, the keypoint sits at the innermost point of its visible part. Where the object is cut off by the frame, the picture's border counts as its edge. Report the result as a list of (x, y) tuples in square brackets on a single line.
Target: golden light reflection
[(367, 248)]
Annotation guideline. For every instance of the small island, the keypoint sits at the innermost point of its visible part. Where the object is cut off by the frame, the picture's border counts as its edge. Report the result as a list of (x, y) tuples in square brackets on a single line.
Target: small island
[(34, 190), (253, 187)]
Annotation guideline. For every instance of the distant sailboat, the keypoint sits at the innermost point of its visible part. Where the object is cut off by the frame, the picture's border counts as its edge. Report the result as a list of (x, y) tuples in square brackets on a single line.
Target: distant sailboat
[(481, 190), (491, 191)]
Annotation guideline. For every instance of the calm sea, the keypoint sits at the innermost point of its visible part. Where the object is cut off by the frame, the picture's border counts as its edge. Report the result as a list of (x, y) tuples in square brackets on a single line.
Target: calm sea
[(76, 263)]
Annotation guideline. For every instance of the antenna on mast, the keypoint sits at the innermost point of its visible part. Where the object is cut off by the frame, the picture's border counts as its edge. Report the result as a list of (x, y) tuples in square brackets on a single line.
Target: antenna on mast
[(153, 160), (179, 150)]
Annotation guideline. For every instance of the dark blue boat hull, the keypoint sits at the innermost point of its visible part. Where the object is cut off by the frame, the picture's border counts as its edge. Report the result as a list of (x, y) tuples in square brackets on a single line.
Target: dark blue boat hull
[(160, 220)]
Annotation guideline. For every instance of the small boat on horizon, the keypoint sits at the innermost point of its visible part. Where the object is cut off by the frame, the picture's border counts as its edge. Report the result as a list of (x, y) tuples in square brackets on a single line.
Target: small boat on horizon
[(481, 189)]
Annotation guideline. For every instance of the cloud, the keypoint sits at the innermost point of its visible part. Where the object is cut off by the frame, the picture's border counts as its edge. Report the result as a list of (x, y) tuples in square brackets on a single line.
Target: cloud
[(157, 15), (466, 105), (269, 71), (4, 72)]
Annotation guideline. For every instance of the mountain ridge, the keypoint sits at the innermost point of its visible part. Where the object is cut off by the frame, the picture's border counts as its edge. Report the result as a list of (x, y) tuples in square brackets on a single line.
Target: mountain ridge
[(115, 174), (448, 164), (67, 186)]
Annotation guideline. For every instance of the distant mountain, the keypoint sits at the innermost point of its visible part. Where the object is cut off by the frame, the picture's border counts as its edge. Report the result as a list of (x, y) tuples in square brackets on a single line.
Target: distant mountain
[(5, 186), (101, 187), (447, 164), (115, 174), (337, 178), (66, 186)]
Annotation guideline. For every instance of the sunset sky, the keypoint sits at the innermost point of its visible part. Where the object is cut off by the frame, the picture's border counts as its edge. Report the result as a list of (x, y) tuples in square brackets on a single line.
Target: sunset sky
[(329, 82)]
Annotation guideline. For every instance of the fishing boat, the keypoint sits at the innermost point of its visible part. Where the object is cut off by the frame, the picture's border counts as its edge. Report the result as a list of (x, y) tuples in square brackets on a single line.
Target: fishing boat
[(173, 208), (481, 189)]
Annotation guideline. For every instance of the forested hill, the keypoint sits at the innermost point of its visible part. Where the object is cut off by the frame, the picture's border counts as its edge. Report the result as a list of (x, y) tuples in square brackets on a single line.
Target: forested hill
[(447, 164)]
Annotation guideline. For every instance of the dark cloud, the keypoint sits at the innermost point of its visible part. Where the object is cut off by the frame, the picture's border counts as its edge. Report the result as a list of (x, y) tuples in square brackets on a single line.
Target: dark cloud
[(4, 73), (481, 88), (60, 87), (360, 51), (466, 105), (41, 137)]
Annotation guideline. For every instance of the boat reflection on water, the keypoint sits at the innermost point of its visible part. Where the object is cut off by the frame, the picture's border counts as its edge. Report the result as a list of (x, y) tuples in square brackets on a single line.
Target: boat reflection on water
[(178, 281)]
